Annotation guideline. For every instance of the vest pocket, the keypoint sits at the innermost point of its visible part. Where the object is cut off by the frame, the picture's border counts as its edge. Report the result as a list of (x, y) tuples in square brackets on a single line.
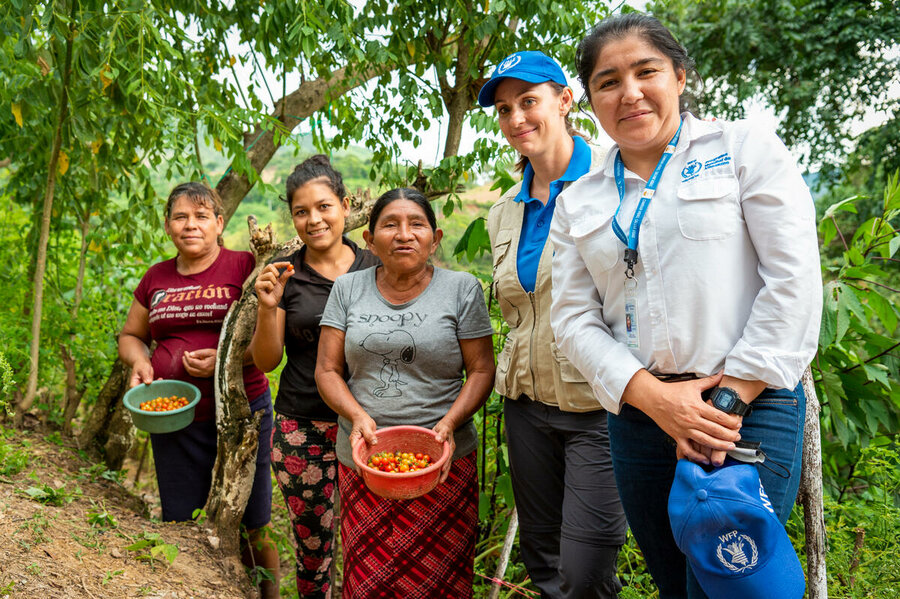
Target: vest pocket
[(573, 394), (503, 275), (501, 382)]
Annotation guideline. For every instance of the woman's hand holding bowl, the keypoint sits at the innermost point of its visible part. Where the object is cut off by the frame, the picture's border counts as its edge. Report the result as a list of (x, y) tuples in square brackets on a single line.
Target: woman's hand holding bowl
[(443, 431), (363, 427), (141, 372)]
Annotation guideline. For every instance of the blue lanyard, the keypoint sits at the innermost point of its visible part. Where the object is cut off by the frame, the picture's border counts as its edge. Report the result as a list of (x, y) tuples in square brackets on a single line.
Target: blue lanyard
[(631, 242)]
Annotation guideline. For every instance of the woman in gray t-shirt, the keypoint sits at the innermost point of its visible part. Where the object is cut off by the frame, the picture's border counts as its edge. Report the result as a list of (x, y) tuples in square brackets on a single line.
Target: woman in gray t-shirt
[(407, 332)]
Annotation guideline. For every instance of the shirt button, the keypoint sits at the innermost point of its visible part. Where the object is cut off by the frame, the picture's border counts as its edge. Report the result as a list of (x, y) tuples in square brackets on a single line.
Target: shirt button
[(540, 223)]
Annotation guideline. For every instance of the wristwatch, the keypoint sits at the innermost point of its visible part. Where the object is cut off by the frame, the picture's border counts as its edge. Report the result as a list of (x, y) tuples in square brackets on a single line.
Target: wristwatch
[(729, 401)]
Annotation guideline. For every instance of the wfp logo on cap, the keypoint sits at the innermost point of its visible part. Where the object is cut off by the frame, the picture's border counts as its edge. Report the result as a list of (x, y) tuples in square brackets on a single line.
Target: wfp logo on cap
[(765, 498), (508, 63), (737, 552)]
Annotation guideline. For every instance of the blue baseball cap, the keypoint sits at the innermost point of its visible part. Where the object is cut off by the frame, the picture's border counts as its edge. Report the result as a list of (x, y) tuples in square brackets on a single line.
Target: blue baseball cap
[(725, 525), (531, 66)]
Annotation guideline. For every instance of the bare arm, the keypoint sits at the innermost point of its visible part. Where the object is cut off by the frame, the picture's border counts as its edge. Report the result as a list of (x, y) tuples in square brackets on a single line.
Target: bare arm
[(478, 357), (333, 388), (267, 345), (134, 344)]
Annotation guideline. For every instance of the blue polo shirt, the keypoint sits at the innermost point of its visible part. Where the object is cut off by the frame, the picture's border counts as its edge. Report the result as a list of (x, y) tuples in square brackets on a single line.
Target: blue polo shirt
[(537, 217)]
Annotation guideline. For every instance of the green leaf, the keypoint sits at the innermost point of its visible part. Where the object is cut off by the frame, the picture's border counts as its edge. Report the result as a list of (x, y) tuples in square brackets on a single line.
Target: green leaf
[(137, 546), (828, 330), (884, 309), (484, 506), (170, 552), (474, 241), (36, 493), (834, 392), (504, 487), (851, 300), (504, 181), (845, 205), (877, 372)]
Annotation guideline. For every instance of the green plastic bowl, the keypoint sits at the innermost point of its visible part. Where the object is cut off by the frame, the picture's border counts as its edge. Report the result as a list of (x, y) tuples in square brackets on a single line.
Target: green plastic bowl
[(162, 422)]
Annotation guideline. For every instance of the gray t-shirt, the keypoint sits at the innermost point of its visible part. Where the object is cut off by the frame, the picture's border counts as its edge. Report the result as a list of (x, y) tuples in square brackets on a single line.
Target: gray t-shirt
[(404, 360)]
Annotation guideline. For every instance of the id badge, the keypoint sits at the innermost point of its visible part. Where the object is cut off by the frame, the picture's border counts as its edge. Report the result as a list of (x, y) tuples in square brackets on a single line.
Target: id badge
[(631, 317)]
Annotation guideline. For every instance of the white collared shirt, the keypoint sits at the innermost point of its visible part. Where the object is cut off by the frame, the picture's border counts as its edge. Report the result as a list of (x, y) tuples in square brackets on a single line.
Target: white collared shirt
[(728, 275)]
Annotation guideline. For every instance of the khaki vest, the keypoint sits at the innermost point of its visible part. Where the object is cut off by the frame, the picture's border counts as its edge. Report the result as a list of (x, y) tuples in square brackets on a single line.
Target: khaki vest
[(530, 362)]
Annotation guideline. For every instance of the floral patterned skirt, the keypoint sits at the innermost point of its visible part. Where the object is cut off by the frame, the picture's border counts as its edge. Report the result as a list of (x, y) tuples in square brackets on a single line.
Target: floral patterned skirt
[(305, 466), (410, 549)]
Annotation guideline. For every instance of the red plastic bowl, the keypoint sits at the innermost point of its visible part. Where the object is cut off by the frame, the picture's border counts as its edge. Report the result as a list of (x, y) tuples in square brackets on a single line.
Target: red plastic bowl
[(402, 485)]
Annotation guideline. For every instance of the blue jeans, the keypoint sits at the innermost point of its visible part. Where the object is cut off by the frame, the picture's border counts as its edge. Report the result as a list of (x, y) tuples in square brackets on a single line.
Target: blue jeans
[(644, 463)]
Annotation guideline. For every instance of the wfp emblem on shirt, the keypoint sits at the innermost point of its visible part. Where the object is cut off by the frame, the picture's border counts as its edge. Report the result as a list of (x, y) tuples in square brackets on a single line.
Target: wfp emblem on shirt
[(691, 170), (737, 552), (508, 64)]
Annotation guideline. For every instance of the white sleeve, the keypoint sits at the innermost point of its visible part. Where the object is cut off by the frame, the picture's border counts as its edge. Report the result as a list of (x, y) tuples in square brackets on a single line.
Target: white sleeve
[(782, 332), (576, 317)]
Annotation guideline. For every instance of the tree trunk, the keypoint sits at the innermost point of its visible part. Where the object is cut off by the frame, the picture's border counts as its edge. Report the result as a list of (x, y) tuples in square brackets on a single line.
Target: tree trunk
[(119, 436), (458, 100), (237, 429), (260, 144), (99, 427), (74, 392), (31, 389), (810, 496)]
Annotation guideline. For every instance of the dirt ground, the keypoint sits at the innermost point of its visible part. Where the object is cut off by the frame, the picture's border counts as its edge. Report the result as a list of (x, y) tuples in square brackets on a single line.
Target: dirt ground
[(79, 549)]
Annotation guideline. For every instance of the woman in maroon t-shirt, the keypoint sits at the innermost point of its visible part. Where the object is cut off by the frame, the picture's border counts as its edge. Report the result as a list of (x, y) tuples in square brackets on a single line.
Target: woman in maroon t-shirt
[(180, 304)]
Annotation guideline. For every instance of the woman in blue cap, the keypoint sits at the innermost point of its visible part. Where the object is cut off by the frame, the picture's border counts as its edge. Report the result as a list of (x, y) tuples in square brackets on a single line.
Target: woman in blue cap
[(571, 521)]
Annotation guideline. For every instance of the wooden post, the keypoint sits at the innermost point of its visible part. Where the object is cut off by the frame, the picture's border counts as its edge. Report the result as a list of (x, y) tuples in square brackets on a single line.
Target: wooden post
[(811, 495), (237, 429), (504, 554)]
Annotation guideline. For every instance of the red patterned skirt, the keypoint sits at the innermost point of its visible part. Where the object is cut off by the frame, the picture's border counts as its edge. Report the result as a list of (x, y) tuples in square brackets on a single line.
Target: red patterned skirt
[(416, 548)]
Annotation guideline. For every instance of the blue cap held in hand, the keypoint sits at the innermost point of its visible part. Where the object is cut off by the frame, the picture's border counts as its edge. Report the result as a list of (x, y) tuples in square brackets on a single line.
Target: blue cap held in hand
[(531, 66), (725, 525)]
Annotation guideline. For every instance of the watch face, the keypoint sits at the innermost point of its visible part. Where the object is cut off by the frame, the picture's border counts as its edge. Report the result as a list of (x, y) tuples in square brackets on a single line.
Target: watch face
[(724, 399)]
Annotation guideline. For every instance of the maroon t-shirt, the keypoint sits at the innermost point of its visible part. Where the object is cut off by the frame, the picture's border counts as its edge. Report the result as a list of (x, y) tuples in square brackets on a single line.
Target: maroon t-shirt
[(186, 314)]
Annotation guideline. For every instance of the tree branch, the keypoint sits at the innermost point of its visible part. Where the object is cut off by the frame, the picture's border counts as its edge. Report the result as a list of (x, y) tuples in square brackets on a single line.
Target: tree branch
[(289, 112)]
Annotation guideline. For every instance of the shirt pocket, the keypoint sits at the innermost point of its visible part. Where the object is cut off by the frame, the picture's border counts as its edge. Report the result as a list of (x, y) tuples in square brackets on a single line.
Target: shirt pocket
[(504, 277), (708, 209), (596, 242)]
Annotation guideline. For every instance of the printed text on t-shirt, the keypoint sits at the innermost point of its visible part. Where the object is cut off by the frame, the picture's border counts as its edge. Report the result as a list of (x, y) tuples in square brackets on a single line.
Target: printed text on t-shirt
[(401, 318)]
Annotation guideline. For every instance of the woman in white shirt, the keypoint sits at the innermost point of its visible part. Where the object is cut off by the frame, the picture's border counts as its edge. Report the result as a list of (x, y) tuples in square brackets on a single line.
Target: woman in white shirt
[(686, 284)]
